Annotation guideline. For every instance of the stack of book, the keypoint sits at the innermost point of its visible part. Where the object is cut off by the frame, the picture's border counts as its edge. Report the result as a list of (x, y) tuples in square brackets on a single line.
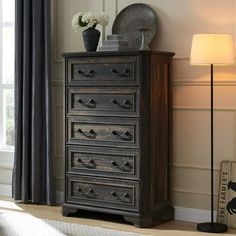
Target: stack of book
[(115, 42)]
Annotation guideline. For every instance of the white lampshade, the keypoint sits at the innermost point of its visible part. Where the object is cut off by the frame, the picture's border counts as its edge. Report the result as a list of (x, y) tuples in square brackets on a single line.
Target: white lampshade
[(214, 49)]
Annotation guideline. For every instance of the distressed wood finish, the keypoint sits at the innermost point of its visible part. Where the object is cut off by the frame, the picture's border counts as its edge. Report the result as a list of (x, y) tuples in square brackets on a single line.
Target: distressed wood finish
[(103, 71), (108, 162), (101, 131), (104, 102), (111, 193), (118, 134)]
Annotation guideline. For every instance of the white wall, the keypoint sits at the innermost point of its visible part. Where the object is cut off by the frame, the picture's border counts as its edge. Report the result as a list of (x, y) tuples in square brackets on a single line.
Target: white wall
[(178, 20)]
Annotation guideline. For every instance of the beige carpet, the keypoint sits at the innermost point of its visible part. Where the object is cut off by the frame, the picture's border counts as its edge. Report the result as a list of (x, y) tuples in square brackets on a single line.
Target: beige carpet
[(23, 224)]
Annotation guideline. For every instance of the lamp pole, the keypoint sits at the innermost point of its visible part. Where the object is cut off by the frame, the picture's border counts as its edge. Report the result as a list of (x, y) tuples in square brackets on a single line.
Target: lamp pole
[(212, 227), (212, 146)]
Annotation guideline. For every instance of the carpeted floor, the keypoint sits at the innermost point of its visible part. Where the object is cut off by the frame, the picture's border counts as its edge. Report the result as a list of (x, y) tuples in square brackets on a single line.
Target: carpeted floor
[(23, 224)]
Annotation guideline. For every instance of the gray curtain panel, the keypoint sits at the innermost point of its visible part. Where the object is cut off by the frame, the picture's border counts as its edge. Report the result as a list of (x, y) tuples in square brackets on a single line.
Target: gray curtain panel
[(33, 174)]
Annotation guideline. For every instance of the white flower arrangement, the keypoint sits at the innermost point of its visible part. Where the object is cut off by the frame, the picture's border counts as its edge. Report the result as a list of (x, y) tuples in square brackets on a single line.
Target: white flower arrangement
[(89, 19)]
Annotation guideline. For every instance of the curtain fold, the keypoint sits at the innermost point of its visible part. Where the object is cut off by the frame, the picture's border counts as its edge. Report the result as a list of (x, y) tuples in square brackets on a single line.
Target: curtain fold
[(32, 180)]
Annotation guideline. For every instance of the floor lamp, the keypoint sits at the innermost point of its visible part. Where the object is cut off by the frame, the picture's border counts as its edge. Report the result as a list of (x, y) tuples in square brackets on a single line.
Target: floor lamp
[(212, 50)]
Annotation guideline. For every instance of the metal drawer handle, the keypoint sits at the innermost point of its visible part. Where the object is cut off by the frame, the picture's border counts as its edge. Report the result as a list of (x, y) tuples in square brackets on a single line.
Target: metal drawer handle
[(124, 198), (113, 194), (126, 104), (91, 164), (124, 167), (90, 104), (113, 132), (90, 193), (126, 136), (125, 72), (89, 134), (89, 73)]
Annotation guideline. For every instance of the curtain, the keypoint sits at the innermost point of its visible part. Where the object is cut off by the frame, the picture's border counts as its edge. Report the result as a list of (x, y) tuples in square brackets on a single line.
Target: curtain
[(33, 174)]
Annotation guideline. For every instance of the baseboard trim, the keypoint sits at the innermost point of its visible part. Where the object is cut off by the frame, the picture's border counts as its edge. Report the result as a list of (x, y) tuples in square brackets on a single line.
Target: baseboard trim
[(5, 190), (59, 197), (193, 215), (181, 213)]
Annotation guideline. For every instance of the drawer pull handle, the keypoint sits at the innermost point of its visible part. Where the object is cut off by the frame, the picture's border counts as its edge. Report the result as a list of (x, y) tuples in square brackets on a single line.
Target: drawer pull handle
[(126, 104), (126, 136), (113, 101), (90, 193), (91, 164), (125, 72), (79, 130), (114, 163), (90, 104), (124, 198), (113, 132), (124, 167), (126, 195), (89, 73), (113, 194), (89, 134)]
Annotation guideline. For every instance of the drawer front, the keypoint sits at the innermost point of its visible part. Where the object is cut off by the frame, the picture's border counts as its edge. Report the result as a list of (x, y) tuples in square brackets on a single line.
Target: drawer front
[(122, 102), (108, 162), (109, 131), (99, 71), (102, 192)]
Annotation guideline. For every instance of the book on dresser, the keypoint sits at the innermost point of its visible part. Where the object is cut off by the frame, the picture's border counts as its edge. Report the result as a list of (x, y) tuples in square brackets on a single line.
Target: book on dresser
[(118, 134)]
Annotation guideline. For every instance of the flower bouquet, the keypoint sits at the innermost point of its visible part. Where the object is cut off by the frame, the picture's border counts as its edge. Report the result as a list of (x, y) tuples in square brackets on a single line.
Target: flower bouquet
[(89, 19), (91, 35)]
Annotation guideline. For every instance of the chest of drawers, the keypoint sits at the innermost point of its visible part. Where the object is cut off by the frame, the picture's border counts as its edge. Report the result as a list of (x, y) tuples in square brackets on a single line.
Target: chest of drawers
[(118, 134)]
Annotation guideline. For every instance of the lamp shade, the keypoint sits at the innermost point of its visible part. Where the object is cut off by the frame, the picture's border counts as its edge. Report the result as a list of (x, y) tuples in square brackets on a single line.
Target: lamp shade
[(214, 49)]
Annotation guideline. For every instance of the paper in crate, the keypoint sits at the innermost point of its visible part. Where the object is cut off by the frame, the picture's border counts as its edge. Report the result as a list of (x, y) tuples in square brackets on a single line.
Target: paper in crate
[(227, 194)]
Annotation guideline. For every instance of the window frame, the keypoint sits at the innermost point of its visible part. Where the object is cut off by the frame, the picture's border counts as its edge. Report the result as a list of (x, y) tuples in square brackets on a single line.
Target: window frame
[(3, 145), (3, 87)]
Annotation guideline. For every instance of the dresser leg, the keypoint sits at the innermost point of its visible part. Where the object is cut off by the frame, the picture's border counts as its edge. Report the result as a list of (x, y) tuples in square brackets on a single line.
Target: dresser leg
[(67, 210), (139, 222)]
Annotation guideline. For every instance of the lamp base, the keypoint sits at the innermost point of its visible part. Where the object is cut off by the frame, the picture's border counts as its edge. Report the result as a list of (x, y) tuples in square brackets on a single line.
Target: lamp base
[(212, 227)]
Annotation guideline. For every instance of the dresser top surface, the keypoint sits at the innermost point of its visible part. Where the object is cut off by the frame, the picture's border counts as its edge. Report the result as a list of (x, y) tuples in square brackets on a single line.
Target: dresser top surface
[(116, 53)]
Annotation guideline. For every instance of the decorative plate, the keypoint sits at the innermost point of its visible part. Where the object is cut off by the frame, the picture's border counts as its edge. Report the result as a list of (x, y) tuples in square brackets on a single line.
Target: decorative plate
[(130, 19)]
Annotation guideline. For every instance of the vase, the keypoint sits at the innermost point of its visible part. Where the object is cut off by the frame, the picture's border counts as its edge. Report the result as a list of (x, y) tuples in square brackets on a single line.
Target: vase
[(91, 37)]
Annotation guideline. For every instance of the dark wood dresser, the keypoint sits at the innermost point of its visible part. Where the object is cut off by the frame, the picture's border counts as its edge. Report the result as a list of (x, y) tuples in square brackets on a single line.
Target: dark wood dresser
[(118, 134)]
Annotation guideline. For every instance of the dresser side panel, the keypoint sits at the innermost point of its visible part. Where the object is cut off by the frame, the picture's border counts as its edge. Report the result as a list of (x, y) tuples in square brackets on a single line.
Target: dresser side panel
[(145, 200), (161, 129)]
